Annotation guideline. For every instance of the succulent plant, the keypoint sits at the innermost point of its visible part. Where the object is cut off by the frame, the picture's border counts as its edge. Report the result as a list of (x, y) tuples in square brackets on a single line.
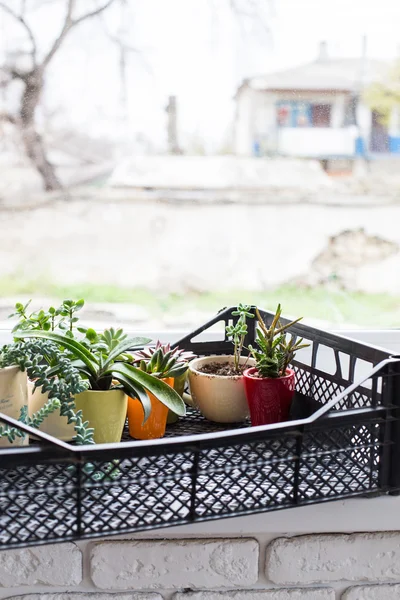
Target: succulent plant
[(275, 352), (163, 361), (53, 319), (237, 333)]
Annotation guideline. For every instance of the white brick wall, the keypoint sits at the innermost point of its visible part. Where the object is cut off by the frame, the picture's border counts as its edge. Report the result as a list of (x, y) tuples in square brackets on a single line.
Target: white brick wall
[(283, 594), (59, 564), (174, 564), (324, 558), (88, 596), (373, 592), (363, 566)]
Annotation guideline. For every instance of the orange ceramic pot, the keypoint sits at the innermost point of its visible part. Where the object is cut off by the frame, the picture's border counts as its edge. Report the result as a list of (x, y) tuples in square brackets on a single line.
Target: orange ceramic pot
[(155, 425)]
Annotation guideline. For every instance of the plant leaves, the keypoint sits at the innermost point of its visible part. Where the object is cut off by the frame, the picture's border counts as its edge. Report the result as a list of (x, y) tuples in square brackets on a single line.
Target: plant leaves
[(163, 392), (135, 391), (75, 347), (123, 346), (91, 335)]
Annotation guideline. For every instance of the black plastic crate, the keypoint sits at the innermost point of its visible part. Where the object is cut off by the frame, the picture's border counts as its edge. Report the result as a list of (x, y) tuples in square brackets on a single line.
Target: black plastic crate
[(343, 441)]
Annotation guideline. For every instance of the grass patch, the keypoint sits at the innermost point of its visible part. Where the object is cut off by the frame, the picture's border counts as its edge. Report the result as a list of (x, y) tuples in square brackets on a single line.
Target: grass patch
[(335, 306)]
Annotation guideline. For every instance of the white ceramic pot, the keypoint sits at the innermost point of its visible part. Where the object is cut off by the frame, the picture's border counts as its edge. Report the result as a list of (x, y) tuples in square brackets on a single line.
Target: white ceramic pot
[(220, 398), (13, 396), (54, 424)]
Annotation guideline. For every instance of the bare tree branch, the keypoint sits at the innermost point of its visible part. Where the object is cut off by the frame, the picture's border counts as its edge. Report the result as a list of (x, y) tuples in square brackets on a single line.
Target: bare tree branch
[(33, 84), (69, 23), (13, 73), (60, 38), (253, 10), (25, 25), (94, 13), (129, 49), (4, 116)]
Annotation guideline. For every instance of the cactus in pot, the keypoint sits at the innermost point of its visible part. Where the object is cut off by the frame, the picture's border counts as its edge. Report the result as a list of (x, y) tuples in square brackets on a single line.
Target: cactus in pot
[(270, 384)]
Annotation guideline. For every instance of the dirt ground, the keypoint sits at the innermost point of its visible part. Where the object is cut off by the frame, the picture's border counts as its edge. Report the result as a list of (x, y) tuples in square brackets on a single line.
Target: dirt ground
[(207, 234), (180, 246)]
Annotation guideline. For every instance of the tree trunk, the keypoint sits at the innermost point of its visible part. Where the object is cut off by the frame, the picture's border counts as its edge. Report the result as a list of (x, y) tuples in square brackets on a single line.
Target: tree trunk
[(33, 141)]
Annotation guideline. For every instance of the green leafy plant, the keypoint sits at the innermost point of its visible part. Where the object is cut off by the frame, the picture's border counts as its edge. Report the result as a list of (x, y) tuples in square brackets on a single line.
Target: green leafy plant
[(104, 363), (237, 333), (37, 357), (104, 342), (275, 351), (383, 95), (162, 360), (62, 318)]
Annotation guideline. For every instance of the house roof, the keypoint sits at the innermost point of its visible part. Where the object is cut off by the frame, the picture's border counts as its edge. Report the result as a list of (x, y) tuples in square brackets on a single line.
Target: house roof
[(344, 74)]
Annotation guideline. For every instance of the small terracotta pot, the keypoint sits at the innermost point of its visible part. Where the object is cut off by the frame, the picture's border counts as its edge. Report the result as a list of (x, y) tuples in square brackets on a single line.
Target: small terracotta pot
[(220, 398), (269, 399), (155, 425)]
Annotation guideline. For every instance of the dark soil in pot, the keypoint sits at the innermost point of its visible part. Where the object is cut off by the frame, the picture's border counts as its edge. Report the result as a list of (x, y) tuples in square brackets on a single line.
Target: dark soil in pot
[(223, 369)]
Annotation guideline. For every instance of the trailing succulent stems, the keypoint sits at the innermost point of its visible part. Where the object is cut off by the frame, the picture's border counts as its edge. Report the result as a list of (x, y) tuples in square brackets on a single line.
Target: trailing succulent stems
[(275, 351), (37, 357), (237, 332)]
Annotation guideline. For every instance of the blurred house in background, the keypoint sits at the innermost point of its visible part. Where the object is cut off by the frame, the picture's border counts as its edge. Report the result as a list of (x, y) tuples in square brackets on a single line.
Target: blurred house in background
[(315, 111)]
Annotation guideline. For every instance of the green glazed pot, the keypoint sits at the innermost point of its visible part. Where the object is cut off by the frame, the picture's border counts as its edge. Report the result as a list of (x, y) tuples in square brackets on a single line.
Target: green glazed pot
[(179, 383), (106, 413), (179, 386)]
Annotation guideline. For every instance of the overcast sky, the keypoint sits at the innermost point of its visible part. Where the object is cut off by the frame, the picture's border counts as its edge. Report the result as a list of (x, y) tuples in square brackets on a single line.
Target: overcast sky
[(199, 51)]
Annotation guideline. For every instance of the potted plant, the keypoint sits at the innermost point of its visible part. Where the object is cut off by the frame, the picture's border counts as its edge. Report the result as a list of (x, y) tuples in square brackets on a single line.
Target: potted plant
[(55, 424), (180, 377), (101, 361), (24, 359), (63, 319), (216, 382), (270, 384), (168, 365), (13, 397)]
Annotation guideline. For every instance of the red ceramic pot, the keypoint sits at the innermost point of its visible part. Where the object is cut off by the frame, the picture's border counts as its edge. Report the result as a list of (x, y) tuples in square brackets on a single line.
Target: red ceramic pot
[(269, 399)]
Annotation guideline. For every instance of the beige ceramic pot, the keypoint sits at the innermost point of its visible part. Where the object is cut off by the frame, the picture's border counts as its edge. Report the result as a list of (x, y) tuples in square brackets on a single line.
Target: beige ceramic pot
[(54, 424), (13, 397), (220, 398)]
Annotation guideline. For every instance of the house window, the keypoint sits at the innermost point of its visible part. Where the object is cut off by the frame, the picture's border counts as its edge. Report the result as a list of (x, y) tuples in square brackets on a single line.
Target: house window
[(293, 113), (321, 115)]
